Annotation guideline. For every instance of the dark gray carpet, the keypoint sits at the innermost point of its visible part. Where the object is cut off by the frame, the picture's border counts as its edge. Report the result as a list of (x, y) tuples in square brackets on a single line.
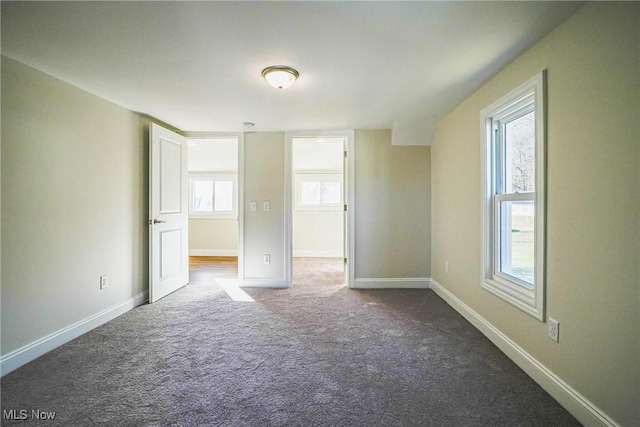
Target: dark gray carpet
[(320, 355)]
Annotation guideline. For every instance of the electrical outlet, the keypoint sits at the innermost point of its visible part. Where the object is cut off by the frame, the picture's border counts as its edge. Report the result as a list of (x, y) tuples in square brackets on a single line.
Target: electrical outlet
[(553, 330), (267, 258), (104, 282)]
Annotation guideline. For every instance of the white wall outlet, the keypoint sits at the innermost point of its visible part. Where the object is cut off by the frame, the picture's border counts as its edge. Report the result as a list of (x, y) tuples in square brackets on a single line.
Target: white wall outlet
[(253, 206), (553, 329), (267, 258), (266, 205), (446, 267), (104, 282)]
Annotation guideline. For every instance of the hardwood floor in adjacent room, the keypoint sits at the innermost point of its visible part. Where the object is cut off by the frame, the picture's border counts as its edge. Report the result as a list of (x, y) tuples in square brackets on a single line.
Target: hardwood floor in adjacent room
[(204, 269)]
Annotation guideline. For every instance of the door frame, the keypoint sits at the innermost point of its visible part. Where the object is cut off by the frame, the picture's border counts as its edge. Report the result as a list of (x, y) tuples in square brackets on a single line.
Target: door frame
[(240, 136), (349, 186)]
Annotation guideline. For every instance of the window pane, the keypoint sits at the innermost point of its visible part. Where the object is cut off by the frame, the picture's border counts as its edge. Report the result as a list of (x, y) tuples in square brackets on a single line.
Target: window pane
[(310, 193), (519, 136), (331, 193), (517, 247), (202, 196), (224, 196)]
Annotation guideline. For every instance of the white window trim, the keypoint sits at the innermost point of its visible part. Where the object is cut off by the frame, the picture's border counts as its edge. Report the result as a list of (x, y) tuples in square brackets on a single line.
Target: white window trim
[(531, 301), (300, 175), (216, 176)]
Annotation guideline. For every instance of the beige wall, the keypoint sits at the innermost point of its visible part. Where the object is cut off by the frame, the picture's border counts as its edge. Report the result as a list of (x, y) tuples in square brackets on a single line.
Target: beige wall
[(593, 218), (264, 180), (213, 237), (74, 205), (318, 233), (393, 212)]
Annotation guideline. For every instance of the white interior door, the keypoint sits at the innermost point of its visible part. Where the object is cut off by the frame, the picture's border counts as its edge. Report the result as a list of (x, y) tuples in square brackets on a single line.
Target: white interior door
[(168, 212), (345, 217)]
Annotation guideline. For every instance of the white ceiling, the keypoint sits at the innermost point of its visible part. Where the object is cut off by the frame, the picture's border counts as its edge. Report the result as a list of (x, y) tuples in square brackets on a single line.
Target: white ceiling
[(196, 65)]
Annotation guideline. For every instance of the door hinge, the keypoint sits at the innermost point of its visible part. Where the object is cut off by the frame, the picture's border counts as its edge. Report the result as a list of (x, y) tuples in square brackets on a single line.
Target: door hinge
[(345, 154), (345, 260), (345, 208)]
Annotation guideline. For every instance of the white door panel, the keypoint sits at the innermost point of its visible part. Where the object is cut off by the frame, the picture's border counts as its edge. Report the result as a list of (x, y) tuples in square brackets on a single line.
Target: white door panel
[(168, 212), (170, 173), (170, 253)]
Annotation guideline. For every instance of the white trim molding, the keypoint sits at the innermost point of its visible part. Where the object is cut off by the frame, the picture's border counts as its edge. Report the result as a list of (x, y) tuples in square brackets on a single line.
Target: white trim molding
[(213, 252), (574, 402), (528, 98), (264, 283), (29, 352), (392, 283)]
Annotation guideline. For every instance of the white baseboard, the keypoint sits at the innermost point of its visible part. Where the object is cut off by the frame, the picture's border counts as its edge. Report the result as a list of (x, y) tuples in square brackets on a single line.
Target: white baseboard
[(579, 406), (317, 254), (29, 352), (213, 252), (263, 283), (392, 283)]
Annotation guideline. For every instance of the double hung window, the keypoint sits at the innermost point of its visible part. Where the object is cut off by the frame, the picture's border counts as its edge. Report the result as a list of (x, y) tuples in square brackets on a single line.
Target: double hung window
[(213, 195), (514, 196), (319, 191)]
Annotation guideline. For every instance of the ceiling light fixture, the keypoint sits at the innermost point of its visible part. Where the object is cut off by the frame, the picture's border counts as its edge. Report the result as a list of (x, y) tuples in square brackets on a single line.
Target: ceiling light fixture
[(280, 76)]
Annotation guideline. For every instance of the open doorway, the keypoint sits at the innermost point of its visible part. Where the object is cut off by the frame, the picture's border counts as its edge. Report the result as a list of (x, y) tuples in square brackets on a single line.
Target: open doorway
[(318, 216), (214, 190)]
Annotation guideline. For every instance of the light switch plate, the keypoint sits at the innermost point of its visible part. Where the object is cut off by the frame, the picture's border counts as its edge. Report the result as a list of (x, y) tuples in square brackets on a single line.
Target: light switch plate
[(266, 205), (253, 206)]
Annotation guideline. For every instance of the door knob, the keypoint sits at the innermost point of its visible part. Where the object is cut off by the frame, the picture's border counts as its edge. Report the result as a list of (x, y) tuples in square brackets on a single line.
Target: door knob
[(157, 221)]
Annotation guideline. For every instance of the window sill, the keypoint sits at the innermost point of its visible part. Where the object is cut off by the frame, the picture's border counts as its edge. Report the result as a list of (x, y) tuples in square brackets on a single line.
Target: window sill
[(516, 295)]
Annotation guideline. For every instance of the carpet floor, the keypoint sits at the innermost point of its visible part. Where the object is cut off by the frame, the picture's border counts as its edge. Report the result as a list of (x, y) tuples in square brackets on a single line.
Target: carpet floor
[(316, 354)]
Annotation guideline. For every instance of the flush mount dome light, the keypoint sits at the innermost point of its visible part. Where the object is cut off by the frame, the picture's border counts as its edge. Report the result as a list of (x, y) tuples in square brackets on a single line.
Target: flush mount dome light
[(280, 76)]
